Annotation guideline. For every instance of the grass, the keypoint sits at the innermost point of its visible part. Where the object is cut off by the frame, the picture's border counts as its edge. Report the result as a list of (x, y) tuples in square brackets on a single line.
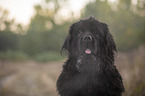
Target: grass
[(21, 56), (14, 55), (48, 56)]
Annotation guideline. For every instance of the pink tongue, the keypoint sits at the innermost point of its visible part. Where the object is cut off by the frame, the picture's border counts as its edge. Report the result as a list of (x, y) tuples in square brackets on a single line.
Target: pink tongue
[(88, 51)]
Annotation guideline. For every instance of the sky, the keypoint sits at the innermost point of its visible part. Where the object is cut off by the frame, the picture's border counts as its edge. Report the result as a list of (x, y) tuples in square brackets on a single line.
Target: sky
[(18, 9), (22, 10)]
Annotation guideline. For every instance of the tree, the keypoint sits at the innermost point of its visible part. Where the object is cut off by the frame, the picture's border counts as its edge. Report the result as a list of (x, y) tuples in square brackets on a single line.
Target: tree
[(9, 40), (44, 32), (126, 23)]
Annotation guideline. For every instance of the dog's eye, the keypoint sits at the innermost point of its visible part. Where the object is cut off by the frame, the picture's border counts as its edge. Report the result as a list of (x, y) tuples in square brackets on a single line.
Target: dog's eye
[(80, 32), (97, 36)]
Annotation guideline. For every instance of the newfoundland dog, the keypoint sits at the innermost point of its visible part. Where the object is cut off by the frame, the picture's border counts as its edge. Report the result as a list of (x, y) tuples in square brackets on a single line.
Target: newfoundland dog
[(90, 69)]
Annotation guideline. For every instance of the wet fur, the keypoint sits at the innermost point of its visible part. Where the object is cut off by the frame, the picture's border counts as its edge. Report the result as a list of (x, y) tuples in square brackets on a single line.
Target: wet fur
[(94, 74)]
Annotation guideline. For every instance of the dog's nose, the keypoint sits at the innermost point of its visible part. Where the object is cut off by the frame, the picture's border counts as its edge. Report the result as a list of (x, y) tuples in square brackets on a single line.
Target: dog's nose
[(87, 38)]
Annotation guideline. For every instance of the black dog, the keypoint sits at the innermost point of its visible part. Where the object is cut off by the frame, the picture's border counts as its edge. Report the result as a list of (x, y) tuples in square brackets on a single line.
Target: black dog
[(90, 69)]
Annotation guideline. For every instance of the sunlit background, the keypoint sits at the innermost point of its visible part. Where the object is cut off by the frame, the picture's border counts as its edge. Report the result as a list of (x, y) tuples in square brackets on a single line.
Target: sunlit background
[(32, 33)]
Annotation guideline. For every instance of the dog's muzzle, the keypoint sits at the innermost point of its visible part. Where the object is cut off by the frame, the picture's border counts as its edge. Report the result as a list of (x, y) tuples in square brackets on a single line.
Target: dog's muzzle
[(87, 38)]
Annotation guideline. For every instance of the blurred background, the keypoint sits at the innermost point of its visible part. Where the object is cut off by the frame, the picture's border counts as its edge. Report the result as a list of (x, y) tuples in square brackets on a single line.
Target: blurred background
[(32, 33)]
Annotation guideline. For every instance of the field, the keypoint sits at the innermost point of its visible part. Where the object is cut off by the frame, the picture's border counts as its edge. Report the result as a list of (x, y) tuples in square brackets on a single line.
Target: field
[(31, 78)]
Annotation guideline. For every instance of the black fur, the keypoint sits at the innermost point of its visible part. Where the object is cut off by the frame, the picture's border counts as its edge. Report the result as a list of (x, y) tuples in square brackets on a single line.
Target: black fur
[(90, 74)]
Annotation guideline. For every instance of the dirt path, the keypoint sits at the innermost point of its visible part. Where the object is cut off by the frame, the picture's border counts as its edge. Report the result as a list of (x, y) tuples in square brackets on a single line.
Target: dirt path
[(39, 79), (29, 78)]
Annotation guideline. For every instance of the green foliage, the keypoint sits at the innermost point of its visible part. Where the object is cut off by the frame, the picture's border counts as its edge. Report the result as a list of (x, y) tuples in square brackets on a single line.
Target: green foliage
[(48, 56), (44, 34), (8, 40), (47, 30), (13, 55), (100, 9)]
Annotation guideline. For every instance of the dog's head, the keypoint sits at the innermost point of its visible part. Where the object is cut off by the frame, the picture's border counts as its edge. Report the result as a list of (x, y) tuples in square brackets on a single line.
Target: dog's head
[(90, 37)]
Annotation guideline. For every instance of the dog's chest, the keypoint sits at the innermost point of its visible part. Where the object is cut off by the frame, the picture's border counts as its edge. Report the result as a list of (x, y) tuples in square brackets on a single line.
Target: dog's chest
[(86, 83), (82, 81)]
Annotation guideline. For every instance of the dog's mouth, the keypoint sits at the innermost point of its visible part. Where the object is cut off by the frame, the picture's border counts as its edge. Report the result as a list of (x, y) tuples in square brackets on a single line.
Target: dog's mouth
[(88, 51), (87, 44)]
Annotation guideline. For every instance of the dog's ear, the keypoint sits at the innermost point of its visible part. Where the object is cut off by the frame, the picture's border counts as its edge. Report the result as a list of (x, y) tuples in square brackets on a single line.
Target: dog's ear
[(110, 46), (67, 42)]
